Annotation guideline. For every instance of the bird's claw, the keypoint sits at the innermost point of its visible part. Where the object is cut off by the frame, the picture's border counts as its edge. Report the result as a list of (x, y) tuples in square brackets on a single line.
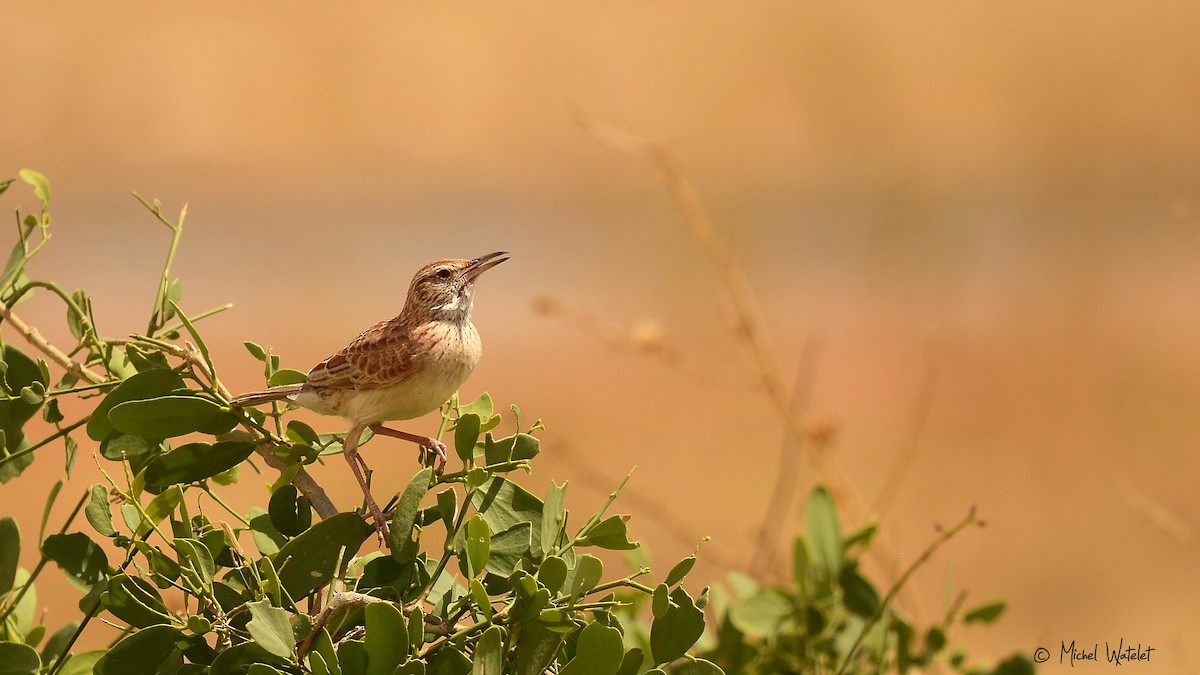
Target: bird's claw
[(434, 448)]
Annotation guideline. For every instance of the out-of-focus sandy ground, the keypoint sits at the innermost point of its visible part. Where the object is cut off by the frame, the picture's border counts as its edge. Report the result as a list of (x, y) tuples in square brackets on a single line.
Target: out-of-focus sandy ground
[(1009, 189)]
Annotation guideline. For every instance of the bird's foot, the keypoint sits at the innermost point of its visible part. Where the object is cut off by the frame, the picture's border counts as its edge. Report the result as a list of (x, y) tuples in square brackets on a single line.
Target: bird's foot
[(380, 522), (433, 449)]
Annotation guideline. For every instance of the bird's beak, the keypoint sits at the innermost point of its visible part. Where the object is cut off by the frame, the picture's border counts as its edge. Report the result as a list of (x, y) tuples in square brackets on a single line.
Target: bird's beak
[(482, 264)]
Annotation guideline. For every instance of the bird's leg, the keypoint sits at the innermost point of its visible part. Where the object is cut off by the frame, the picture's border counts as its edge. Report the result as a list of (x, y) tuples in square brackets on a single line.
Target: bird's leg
[(425, 442), (350, 450)]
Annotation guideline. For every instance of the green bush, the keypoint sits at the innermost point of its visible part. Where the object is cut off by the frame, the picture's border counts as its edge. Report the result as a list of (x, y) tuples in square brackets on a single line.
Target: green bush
[(831, 618), (479, 575)]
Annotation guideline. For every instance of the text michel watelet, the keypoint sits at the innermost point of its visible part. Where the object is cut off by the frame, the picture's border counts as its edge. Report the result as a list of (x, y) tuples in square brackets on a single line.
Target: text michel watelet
[(1115, 654)]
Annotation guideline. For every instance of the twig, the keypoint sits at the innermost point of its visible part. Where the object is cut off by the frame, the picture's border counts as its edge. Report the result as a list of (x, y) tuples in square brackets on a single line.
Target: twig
[(916, 425), (945, 536), (745, 304), (1157, 514), (646, 340), (54, 353), (784, 490)]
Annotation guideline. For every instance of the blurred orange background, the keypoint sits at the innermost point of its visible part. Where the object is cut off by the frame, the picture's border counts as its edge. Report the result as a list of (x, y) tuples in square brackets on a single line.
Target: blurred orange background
[(994, 204)]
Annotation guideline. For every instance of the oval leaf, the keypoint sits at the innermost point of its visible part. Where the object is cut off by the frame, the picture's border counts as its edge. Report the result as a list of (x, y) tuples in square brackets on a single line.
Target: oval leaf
[(170, 416), (385, 648), (307, 562), (139, 653), (195, 462), (145, 385), (270, 628), (677, 630)]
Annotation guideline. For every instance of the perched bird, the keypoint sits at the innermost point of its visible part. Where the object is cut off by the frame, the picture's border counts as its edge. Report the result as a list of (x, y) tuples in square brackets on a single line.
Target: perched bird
[(398, 369)]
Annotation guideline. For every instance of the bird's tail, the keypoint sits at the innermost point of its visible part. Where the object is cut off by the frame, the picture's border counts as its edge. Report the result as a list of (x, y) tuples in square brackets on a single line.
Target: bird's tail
[(259, 397)]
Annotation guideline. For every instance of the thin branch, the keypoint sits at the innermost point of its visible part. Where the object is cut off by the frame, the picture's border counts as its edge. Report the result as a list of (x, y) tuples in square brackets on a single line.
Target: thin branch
[(56, 355), (916, 425), (945, 536), (752, 327), (645, 340), (788, 470), (1157, 514)]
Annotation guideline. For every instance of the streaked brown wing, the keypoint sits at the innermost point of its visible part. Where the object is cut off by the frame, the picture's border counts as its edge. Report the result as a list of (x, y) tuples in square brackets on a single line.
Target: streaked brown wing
[(380, 356)]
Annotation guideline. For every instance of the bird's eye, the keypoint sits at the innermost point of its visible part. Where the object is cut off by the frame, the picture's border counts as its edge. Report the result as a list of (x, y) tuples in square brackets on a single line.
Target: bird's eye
[(443, 274)]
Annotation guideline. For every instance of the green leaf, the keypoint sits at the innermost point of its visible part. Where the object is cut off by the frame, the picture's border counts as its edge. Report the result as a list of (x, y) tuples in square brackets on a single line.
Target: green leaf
[(270, 629), (680, 570), (554, 516), (448, 661), (27, 610), (289, 511), (507, 549), (76, 322), (676, 631), (119, 447), (536, 648), (160, 507), (764, 613), (985, 613), (553, 573), (20, 373), (139, 653), (403, 544), (447, 507), (862, 536), (587, 573), (286, 376), (195, 462), (825, 533), (416, 628), (489, 653), (19, 659), (299, 432), (800, 562), (610, 534), (479, 539), (238, 659), (150, 384), (466, 435), (307, 562), (82, 664), (505, 504), (195, 558), (10, 553), (134, 601), (598, 651), (481, 407), (385, 648), (256, 351), (410, 667), (58, 642), (632, 662), (480, 596), (170, 416), (81, 558), (935, 638), (525, 447), (660, 601), (41, 186), (859, 596)]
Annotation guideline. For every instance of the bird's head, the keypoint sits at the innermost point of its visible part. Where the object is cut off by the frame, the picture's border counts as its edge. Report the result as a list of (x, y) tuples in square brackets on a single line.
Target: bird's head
[(444, 290)]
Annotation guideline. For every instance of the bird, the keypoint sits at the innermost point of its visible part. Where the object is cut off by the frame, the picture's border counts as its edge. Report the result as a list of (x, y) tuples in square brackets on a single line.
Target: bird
[(400, 368)]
